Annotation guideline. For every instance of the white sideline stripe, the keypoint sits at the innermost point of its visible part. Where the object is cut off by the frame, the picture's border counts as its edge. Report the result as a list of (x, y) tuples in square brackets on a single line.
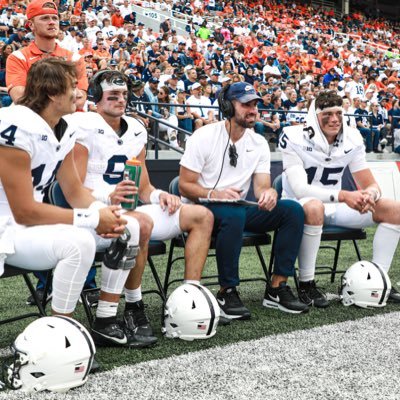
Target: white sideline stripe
[(349, 360)]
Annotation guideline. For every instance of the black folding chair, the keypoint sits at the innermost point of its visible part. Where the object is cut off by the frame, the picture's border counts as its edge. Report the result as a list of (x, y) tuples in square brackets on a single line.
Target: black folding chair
[(11, 271), (250, 239)]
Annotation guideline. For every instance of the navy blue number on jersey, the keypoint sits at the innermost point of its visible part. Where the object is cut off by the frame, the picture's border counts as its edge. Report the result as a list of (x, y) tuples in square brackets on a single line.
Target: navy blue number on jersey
[(9, 135), (37, 177), (112, 175), (283, 141), (326, 178)]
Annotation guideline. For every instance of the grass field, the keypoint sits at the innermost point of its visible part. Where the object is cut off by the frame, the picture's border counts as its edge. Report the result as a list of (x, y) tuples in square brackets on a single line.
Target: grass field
[(263, 323)]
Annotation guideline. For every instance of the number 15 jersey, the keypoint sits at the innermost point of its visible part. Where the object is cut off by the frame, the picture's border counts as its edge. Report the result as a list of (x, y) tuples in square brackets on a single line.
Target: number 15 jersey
[(307, 148)]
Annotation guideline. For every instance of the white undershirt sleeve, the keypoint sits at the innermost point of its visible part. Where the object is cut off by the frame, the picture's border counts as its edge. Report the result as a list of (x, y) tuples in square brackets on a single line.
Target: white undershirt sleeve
[(297, 178)]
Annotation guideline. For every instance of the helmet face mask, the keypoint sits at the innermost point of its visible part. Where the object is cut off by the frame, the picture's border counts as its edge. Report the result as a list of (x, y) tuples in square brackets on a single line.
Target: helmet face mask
[(191, 312), (365, 285), (52, 353)]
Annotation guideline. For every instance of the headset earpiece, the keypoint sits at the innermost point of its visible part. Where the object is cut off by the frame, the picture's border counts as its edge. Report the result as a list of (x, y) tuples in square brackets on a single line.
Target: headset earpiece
[(225, 105), (95, 90)]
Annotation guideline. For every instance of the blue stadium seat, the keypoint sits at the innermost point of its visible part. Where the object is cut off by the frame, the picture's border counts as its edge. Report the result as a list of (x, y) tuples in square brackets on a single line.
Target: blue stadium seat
[(250, 239)]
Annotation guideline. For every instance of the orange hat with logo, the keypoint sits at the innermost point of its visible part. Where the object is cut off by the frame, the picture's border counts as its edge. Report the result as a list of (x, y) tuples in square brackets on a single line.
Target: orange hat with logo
[(41, 7)]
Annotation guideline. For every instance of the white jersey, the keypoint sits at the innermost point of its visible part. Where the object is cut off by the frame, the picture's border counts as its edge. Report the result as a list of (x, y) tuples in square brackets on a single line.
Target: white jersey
[(108, 152), (23, 129), (323, 163), (207, 153)]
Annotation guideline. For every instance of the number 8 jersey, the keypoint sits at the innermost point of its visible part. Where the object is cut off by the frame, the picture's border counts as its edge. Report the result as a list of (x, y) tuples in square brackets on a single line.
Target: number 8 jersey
[(21, 128), (307, 148), (107, 150)]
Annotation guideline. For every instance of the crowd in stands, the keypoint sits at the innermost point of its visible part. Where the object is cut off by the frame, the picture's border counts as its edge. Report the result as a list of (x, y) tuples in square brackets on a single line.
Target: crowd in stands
[(288, 50)]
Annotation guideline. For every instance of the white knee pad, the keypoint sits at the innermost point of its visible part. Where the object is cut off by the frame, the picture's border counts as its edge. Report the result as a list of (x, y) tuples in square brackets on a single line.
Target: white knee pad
[(76, 256), (134, 230)]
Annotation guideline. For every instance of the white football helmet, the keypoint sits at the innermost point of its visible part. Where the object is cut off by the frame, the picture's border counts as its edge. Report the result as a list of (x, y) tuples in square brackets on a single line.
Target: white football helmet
[(365, 284), (191, 312), (52, 353)]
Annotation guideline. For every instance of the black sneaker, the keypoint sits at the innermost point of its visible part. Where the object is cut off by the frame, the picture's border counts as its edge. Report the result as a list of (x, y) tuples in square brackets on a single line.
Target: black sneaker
[(394, 296), (108, 332), (30, 301), (92, 297), (282, 298), (138, 325), (312, 296), (231, 306)]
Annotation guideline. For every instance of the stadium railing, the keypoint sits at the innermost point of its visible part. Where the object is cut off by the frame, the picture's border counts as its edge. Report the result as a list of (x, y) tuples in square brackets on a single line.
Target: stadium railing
[(154, 136)]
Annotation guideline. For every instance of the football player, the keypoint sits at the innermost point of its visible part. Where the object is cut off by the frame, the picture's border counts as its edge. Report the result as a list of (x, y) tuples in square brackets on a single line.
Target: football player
[(106, 140), (36, 146), (314, 159)]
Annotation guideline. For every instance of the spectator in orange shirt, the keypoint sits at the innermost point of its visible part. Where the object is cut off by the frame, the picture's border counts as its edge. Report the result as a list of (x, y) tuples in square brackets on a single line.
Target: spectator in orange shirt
[(87, 47), (117, 19), (44, 23)]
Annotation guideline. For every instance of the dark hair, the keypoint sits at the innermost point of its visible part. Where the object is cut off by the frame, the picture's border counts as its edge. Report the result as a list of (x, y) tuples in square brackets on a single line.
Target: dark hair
[(328, 98), (47, 77)]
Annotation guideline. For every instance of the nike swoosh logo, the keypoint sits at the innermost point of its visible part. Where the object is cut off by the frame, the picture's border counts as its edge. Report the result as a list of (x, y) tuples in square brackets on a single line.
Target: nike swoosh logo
[(222, 302), (248, 151), (137, 134), (33, 58), (347, 151), (120, 341), (71, 134), (274, 298)]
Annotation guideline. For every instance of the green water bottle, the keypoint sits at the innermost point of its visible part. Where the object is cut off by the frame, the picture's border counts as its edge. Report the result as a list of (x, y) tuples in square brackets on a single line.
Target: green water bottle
[(132, 171)]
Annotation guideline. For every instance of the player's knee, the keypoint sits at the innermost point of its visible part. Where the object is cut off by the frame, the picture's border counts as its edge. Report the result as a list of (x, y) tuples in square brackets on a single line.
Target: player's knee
[(133, 227), (146, 227), (193, 216), (314, 212), (79, 248)]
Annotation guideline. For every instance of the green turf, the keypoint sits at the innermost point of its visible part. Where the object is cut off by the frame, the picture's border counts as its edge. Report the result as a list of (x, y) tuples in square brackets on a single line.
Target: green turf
[(263, 323)]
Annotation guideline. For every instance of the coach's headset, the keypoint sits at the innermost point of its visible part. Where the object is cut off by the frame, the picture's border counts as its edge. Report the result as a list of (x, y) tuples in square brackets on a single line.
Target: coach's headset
[(225, 105), (95, 90)]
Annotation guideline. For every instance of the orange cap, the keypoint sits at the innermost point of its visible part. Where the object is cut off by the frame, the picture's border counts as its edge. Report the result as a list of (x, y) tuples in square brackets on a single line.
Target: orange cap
[(41, 7), (134, 161)]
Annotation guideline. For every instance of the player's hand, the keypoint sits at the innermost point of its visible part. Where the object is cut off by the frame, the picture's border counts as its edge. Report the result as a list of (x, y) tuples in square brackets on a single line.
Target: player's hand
[(268, 199), (369, 201), (226, 194), (123, 189), (111, 225), (355, 200), (169, 202)]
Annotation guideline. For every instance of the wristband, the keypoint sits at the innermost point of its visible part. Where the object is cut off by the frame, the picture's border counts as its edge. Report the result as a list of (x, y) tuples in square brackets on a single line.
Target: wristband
[(103, 195), (86, 218), (155, 196)]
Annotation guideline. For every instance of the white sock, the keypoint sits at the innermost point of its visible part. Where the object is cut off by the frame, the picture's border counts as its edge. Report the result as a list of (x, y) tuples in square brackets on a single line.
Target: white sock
[(308, 252), (191, 281), (133, 295), (385, 243), (106, 309)]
